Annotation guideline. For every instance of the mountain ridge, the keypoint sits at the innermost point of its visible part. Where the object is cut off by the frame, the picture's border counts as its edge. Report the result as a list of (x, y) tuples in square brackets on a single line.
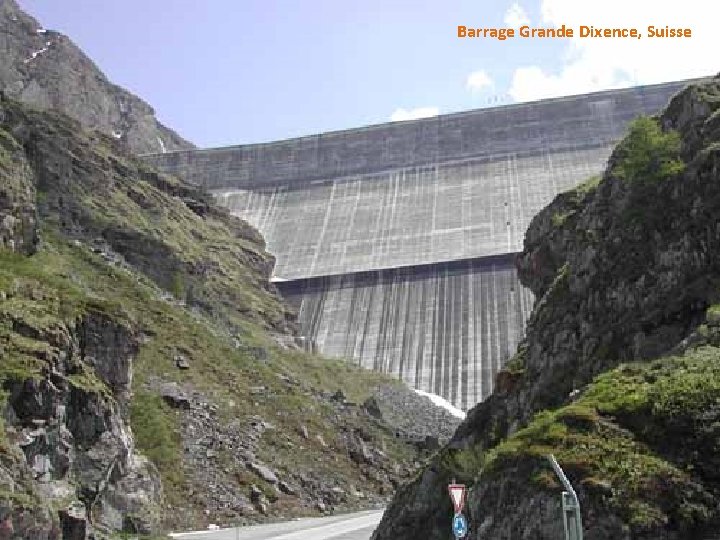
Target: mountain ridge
[(45, 69)]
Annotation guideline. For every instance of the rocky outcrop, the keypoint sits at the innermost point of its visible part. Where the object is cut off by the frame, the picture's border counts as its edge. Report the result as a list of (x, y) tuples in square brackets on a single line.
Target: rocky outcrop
[(93, 192), (128, 300), (69, 466), (44, 68), (412, 416), (18, 219), (72, 460), (624, 269)]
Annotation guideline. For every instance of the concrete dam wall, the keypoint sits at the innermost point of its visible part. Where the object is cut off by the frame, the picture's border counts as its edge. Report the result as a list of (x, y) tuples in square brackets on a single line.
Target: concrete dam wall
[(445, 328), (396, 242), (419, 214)]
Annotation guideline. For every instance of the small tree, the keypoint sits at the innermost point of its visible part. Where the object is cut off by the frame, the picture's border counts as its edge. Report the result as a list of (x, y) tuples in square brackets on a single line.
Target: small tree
[(647, 153)]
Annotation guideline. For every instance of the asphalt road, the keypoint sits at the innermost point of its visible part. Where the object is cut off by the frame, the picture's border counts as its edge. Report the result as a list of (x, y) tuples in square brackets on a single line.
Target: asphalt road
[(357, 526)]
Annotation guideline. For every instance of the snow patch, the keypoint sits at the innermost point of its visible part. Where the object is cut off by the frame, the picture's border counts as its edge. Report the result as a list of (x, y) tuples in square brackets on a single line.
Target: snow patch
[(442, 402), (34, 55), (162, 145), (41, 31), (117, 134)]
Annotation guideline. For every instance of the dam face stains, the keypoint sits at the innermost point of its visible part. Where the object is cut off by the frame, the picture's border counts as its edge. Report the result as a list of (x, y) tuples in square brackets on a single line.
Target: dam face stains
[(396, 242)]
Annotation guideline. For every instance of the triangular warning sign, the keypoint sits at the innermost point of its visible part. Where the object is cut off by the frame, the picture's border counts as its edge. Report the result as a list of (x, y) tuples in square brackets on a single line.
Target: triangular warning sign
[(457, 496)]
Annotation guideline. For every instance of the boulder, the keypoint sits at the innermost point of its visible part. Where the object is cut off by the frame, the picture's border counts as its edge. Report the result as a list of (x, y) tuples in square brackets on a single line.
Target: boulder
[(258, 499), (372, 408), (263, 472), (286, 488), (359, 451), (182, 362), (174, 396)]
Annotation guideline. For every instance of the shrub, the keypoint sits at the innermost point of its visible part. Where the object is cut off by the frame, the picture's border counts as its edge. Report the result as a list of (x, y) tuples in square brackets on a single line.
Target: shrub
[(648, 153)]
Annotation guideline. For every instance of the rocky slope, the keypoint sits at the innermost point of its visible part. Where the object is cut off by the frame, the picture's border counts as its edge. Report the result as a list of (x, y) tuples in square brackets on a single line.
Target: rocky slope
[(414, 417), (618, 374), (149, 378), (45, 69)]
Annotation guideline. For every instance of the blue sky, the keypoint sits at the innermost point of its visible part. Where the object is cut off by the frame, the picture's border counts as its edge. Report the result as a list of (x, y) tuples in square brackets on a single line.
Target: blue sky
[(237, 71)]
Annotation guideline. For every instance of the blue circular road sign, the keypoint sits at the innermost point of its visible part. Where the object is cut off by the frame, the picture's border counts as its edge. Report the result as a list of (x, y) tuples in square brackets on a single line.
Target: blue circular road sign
[(459, 526)]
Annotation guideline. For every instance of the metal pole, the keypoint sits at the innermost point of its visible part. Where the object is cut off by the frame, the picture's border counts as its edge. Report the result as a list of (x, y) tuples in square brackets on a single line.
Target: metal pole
[(572, 518)]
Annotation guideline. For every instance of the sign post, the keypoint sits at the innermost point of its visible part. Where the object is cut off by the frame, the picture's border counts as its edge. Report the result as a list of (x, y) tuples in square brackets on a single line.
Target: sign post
[(458, 493), (572, 519)]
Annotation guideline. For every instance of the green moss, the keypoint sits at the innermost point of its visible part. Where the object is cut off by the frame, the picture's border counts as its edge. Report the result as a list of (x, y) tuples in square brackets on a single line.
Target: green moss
[(516, 364), (7, 141), (644, 516), (578, 416), (157, 434), (713, 314), (662, 388), (177, 287), (624, 389), (601, 454), (621, 439), (462, 465), (559, 287), (88, 381), (703, 331), (7, 145), (19, 500), (3, 435), (17, 365), (572, 201), (588, 186), (684, 395), (559, 218)]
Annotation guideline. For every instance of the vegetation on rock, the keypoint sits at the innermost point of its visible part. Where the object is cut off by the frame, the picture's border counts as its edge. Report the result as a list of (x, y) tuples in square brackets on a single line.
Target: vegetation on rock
[(638, 440), (648, 154), (141, 303), (618, 374)]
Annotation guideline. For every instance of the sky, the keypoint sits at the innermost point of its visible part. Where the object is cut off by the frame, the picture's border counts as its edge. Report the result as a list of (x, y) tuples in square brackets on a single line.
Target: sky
[(224, 72)]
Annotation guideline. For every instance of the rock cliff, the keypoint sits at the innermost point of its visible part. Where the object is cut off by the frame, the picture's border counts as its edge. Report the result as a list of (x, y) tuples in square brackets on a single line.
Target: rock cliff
[(618, 373), (44, 68), (149, 375)]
